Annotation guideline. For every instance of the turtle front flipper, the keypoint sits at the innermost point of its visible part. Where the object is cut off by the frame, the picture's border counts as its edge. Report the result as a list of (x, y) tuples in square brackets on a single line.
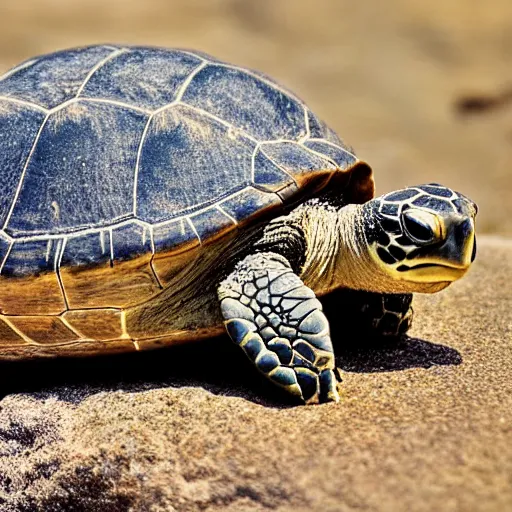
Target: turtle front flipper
[(279, 323)]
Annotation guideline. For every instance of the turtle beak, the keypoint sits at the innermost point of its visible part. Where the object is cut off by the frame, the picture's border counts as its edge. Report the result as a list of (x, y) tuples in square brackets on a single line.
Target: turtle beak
[(447, 259), (459, 248)]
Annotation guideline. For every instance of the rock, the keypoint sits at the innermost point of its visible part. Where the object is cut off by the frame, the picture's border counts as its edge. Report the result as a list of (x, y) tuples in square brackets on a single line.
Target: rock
[(424, 423)]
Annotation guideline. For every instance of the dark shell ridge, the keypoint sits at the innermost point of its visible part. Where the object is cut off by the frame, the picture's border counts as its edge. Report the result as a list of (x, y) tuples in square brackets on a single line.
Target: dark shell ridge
[(109, 152)]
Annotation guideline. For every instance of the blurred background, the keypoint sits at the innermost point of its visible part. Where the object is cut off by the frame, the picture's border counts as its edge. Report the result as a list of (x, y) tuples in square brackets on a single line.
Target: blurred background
[(422, 90)]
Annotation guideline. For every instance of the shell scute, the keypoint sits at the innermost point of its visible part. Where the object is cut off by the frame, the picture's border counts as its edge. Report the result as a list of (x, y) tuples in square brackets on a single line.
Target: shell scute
[(83, 169), (130, 240), (8, 335), (248, 202), (188, 160), (256, 106), (43, 329), (297, 160), (31, 257), (211, 223), (142, 77), (318, 129), (174, 236), (19, 125), (53, 79), (5, 247), (267, 174), (87, 249), (340, 156), (97, 324)]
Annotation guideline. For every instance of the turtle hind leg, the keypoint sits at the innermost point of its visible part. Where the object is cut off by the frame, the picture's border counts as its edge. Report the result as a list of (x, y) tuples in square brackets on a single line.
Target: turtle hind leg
[(279, 323)]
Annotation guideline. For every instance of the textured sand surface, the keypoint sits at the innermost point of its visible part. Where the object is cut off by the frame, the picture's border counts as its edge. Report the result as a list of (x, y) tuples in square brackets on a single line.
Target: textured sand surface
[(422, 90), (424, 424)]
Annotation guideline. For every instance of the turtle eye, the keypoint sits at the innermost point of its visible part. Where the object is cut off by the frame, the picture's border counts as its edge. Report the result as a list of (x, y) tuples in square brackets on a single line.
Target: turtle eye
[(420, 226)]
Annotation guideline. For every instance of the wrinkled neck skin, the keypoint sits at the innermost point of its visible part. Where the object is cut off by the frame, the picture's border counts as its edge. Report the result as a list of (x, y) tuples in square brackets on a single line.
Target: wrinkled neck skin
[(337, 254)]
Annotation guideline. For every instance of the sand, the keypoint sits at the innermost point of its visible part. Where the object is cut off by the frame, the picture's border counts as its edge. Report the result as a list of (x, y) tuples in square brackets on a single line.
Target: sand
[(422, 91)]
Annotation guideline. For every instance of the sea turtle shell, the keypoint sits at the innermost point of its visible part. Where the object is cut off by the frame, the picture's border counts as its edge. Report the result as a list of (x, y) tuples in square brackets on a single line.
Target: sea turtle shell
[(119, 162)]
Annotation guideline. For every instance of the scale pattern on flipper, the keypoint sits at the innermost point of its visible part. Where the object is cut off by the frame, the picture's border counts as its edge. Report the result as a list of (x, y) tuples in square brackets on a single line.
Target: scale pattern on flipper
[(280, 325)]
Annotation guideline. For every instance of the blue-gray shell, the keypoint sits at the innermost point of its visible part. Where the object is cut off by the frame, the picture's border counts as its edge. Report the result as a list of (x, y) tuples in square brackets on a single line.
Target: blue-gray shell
[(107, 153)]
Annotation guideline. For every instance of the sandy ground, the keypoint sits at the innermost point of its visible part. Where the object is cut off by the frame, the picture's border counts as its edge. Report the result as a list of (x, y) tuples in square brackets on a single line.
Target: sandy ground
[(423, 92), (424, 423)]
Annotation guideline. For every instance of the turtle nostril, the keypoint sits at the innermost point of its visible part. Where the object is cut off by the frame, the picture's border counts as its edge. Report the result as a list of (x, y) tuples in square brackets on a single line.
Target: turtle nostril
[(417, 228)]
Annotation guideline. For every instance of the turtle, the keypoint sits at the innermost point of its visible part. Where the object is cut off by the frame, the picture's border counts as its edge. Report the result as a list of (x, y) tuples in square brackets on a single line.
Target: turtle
[(154, 196)]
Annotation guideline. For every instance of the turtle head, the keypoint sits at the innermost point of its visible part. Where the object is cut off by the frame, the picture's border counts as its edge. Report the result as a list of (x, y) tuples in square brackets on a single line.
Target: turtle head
[(422, 236)]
